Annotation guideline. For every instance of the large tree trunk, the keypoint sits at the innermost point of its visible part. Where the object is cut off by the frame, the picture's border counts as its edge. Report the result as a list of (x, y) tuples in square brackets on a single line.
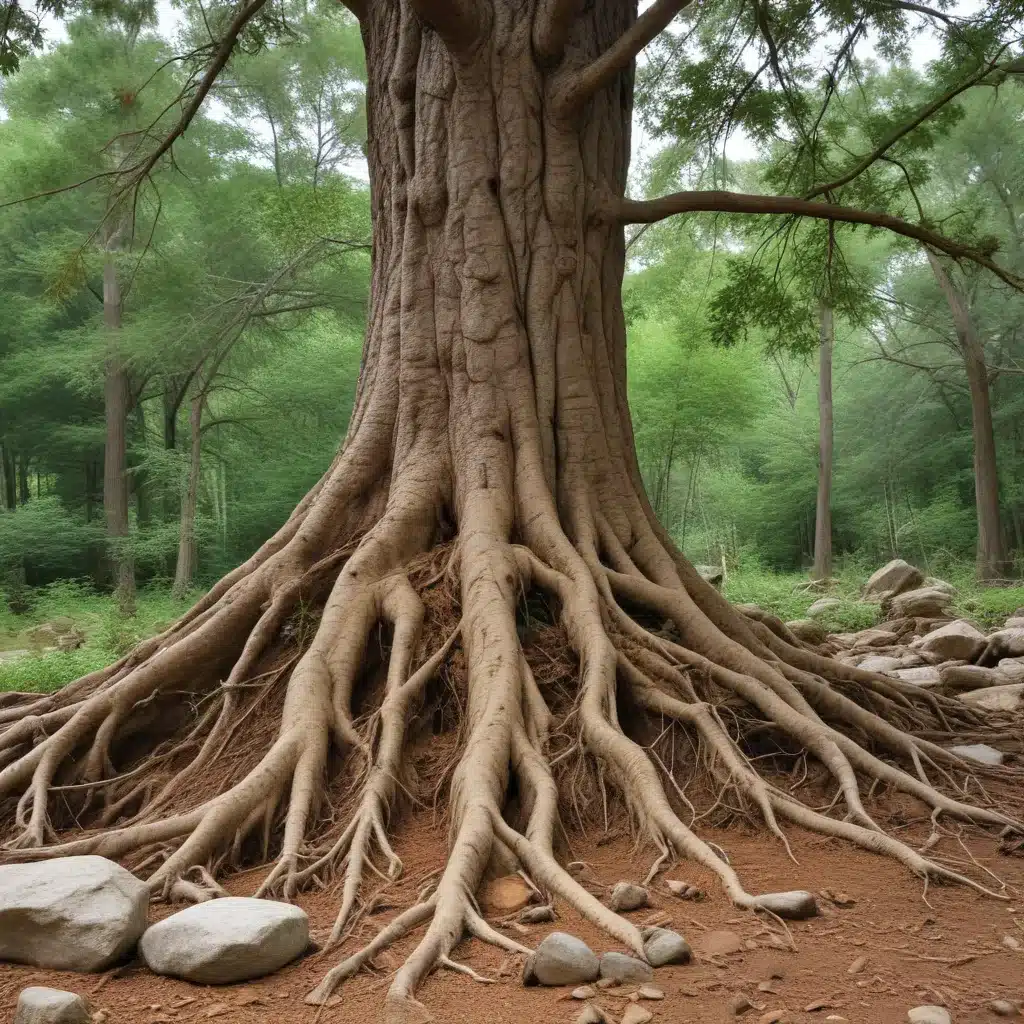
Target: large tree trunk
[(490, 454), (116, 406), (186, 564), (993, 561), (823, 519)]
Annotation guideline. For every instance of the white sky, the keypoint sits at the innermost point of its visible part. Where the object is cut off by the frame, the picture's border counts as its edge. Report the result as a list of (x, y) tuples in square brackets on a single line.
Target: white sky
[(925, 47)]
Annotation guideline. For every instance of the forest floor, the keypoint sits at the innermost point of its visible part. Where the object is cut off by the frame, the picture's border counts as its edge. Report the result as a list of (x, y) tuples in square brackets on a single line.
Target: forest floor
[(947, 948)]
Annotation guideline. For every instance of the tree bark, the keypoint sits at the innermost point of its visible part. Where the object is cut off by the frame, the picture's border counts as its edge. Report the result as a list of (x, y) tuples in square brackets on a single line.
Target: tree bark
[(186, 565), (116, 405), (823, 519), (10, 478), (993, 561), (24, 491)]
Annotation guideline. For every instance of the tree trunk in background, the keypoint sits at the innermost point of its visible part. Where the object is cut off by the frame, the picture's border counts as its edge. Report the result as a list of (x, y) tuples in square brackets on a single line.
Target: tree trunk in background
[(24, 492), (116, 403), (823, 520), (993, 561), (10, 484), (186, 567)]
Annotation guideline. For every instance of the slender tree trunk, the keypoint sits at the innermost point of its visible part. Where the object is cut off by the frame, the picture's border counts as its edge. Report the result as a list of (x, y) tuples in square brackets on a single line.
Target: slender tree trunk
[(10, 481), (185, 569), (823, 519), (116, 403), (993, 562), (24, 491)]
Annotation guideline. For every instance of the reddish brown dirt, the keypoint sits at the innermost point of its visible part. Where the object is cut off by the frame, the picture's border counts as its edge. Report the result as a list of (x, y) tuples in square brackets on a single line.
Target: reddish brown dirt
[(915, 952)]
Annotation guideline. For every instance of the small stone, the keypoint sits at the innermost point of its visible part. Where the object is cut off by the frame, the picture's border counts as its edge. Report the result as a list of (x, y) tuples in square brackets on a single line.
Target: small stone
[(766, 986), (636, 1015), (563, 959), (818, 1004), (929, 1015), (650, 992), (607, 982), (39, 1005), (796, 905), (584, 992), (1003, 1008), (537, 915), (772, 1017), (720, 943), (823, 604), (664, 947), (684, 890), (505, 895), (217, 1009), (808, 630), (626, 896), (626, 969), (1010, 942), (591, 1014), (858, 965), (840, 899), (980, 752), (834, 1016), (740, 1004), (227, 940)]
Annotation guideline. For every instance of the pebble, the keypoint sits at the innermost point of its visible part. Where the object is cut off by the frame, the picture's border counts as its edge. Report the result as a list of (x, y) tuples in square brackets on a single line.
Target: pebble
[(636, 1015), (625, 968), (664, 947), (684, 890), (40, 1005), (650, 992), (765, 986), (818, 1004), (591, 1014), (561, 959), (537, 915), (1010, 942), (740, 1004), (607, 982), (858, 965), (626, 896), (584, 992), (772, 1017), (1003, 1008), (929, 1015)]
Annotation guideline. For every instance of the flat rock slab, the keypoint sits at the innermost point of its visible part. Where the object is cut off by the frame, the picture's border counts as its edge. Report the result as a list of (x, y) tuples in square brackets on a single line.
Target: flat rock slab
[(38, 1005), (996, 698), (924, 675), (980, 752), (719, 943), (929, 1015), (626, 969), (70, 913), (561, 959), (880, 663), (226, 940)]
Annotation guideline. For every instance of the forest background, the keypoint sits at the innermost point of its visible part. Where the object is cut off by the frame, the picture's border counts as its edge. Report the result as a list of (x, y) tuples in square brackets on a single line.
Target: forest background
[(175, 375)]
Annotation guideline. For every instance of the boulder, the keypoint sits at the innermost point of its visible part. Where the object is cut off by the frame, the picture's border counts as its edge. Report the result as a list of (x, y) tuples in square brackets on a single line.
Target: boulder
[(958, 639), (934, 583), (226, 940), (823, 604), (713, 574), (980, 752), (38, 1005), (879, 663), (663, 946), (893, 578), (1004, 643), (626, 896), (808, 630), (875, 638), (912, 661), (561, 959), (70, 913), (626, 969), (957, 678), (1011, 669), (996, 698), (1014, 622), (925, 603)]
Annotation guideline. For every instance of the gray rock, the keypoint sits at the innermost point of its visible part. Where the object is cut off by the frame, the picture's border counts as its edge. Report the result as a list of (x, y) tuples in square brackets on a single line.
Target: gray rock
[(796, 905), (893, 578), (957, 678), (996, 698), (929, 1015), (823, 604), (1013, 622), (592, 1014), (1004, 1008), (37, 1005), (663, 946), (636, 1015), (561, 959), (924, 603), (980, 752), (925, 675), (880, 663), (626, 896), (1004, 643), (537, 915), (626, 969), (650, 992), (13, 655), (226, 940), (874, 637), (958, 639), (1011, 669), (808, 630), (70, 913), (713, 574), (934, 583)]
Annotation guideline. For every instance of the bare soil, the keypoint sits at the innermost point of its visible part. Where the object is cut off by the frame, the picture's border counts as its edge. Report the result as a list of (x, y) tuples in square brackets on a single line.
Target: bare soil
[(948, 950)]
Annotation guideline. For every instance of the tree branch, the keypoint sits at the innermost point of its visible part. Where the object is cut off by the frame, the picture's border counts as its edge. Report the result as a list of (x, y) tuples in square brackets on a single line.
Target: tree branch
[(904, 129), (652, 210), (620, 54), (457, 22)]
